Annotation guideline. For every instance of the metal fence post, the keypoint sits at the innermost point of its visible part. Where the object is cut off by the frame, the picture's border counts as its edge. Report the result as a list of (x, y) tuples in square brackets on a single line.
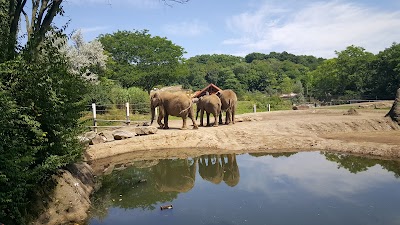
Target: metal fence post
[(128, 121), (94, 117), (269, 107), (254, 108)]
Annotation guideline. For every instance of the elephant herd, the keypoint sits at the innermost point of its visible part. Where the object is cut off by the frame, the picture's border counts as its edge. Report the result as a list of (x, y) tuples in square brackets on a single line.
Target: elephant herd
[(180, 105)]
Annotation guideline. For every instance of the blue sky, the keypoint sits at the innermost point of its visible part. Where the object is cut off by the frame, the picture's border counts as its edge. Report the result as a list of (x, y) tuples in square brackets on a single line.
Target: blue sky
[(239, 27)]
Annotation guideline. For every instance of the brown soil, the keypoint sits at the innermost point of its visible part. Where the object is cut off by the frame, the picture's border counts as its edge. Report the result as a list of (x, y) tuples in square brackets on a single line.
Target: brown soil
[(368, 133)]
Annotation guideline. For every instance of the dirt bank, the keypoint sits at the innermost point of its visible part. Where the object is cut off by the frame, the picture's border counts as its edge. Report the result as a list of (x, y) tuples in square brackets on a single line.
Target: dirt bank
[(368, 133)]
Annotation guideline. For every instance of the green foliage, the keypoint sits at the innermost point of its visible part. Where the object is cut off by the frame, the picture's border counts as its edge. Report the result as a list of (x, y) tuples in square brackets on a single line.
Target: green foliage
[(43, 103), (307, 61), (344, 77), (385, 76), (262, 100), (138, 59)]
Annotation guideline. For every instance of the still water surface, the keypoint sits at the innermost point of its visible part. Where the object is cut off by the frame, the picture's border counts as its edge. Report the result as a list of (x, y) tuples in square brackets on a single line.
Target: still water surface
[(291, 188)]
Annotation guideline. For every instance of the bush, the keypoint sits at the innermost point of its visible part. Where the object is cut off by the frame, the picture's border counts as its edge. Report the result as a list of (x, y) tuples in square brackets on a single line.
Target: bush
[(41, 106)]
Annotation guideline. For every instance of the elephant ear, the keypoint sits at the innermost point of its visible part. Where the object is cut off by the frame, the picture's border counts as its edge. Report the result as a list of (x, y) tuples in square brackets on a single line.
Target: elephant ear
[(156, 99)]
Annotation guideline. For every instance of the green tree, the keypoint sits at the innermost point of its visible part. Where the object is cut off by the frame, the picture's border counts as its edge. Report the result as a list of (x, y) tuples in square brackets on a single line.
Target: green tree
[(141, 59), (385, 74), (353, 68), (325, 80)]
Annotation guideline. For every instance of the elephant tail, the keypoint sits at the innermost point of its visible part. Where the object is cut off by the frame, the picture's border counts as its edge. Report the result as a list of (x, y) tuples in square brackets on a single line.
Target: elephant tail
[(230, 103), (185, 110)]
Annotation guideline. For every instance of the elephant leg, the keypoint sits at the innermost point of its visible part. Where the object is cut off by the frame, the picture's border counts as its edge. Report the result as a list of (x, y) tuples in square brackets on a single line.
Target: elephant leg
[(184, 127), (191, 116), (166, 121), (233, 116), (215, 119), (220, 118), (208, 119), (201, 117), (159, 121), (227, 115)]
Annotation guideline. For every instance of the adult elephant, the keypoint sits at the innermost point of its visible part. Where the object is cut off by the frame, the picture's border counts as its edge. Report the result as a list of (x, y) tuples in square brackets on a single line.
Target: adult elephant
[(174, 104), (229, 104), (210, 104)]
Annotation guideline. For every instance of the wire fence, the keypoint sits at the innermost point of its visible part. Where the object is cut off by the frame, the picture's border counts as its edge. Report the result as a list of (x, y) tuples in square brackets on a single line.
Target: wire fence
[(116, 115)]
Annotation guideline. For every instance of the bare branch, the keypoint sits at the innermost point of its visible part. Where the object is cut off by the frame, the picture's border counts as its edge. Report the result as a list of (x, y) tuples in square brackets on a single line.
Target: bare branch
[(45, 5), (35, 5), (54, 7), (28, 27)]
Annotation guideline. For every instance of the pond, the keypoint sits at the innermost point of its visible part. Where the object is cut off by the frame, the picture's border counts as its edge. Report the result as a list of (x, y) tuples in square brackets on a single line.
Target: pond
[(285, 188)]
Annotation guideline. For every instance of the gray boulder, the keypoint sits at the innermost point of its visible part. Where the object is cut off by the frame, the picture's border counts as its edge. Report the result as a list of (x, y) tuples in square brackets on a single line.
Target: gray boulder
[(93, 138), (122, 134), (145, 130)]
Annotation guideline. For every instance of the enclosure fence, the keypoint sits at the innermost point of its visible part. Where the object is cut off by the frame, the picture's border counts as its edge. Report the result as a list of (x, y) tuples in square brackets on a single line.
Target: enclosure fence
[(118, 115)]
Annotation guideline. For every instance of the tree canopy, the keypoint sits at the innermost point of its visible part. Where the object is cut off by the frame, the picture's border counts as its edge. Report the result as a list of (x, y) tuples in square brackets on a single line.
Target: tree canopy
[(139, 59)]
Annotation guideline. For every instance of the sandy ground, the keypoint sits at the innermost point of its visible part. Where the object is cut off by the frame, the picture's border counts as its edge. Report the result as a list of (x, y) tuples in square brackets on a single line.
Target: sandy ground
[(369, 133)]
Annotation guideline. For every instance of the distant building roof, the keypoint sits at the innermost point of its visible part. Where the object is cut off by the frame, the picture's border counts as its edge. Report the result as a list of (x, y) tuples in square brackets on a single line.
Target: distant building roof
[(211, 89)]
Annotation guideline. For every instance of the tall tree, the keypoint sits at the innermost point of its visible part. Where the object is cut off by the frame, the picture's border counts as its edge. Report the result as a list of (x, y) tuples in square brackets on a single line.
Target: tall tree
[(141, 59), (385, 79)]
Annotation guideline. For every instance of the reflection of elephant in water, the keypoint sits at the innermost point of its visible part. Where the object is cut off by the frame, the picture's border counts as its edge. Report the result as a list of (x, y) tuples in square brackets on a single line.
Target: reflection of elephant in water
[(174, 104), (229, 104), (210, 168), (210, 104), (231, 168), (215, 168), (175, 175)]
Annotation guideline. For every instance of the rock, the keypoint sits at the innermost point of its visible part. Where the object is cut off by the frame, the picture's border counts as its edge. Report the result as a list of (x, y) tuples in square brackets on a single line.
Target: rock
[(90, 135), (94, 138), (84, 140), (145, 130), (108, 135), (69, 202), (300, 107), (122, 134), (351, 111), (394, 112), (97, 140)]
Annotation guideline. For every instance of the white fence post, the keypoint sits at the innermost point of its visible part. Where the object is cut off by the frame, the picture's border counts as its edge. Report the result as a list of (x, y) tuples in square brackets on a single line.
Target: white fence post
[(254, 108), (156, 112), (269, 107), (128, 121), (94, 117)]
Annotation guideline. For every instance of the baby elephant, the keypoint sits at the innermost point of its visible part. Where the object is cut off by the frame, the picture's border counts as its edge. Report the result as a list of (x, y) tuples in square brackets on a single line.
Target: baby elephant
[(210, 104)]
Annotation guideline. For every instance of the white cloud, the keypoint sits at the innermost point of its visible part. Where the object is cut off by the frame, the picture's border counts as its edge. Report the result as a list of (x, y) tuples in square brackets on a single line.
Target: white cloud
[(311, 173), (187, 29), (317, 28)]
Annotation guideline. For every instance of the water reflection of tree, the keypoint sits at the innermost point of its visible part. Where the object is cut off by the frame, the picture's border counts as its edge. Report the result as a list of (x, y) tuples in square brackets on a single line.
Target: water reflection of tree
[(217, 168), (356, 164), (163, 183), (274, 155)]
